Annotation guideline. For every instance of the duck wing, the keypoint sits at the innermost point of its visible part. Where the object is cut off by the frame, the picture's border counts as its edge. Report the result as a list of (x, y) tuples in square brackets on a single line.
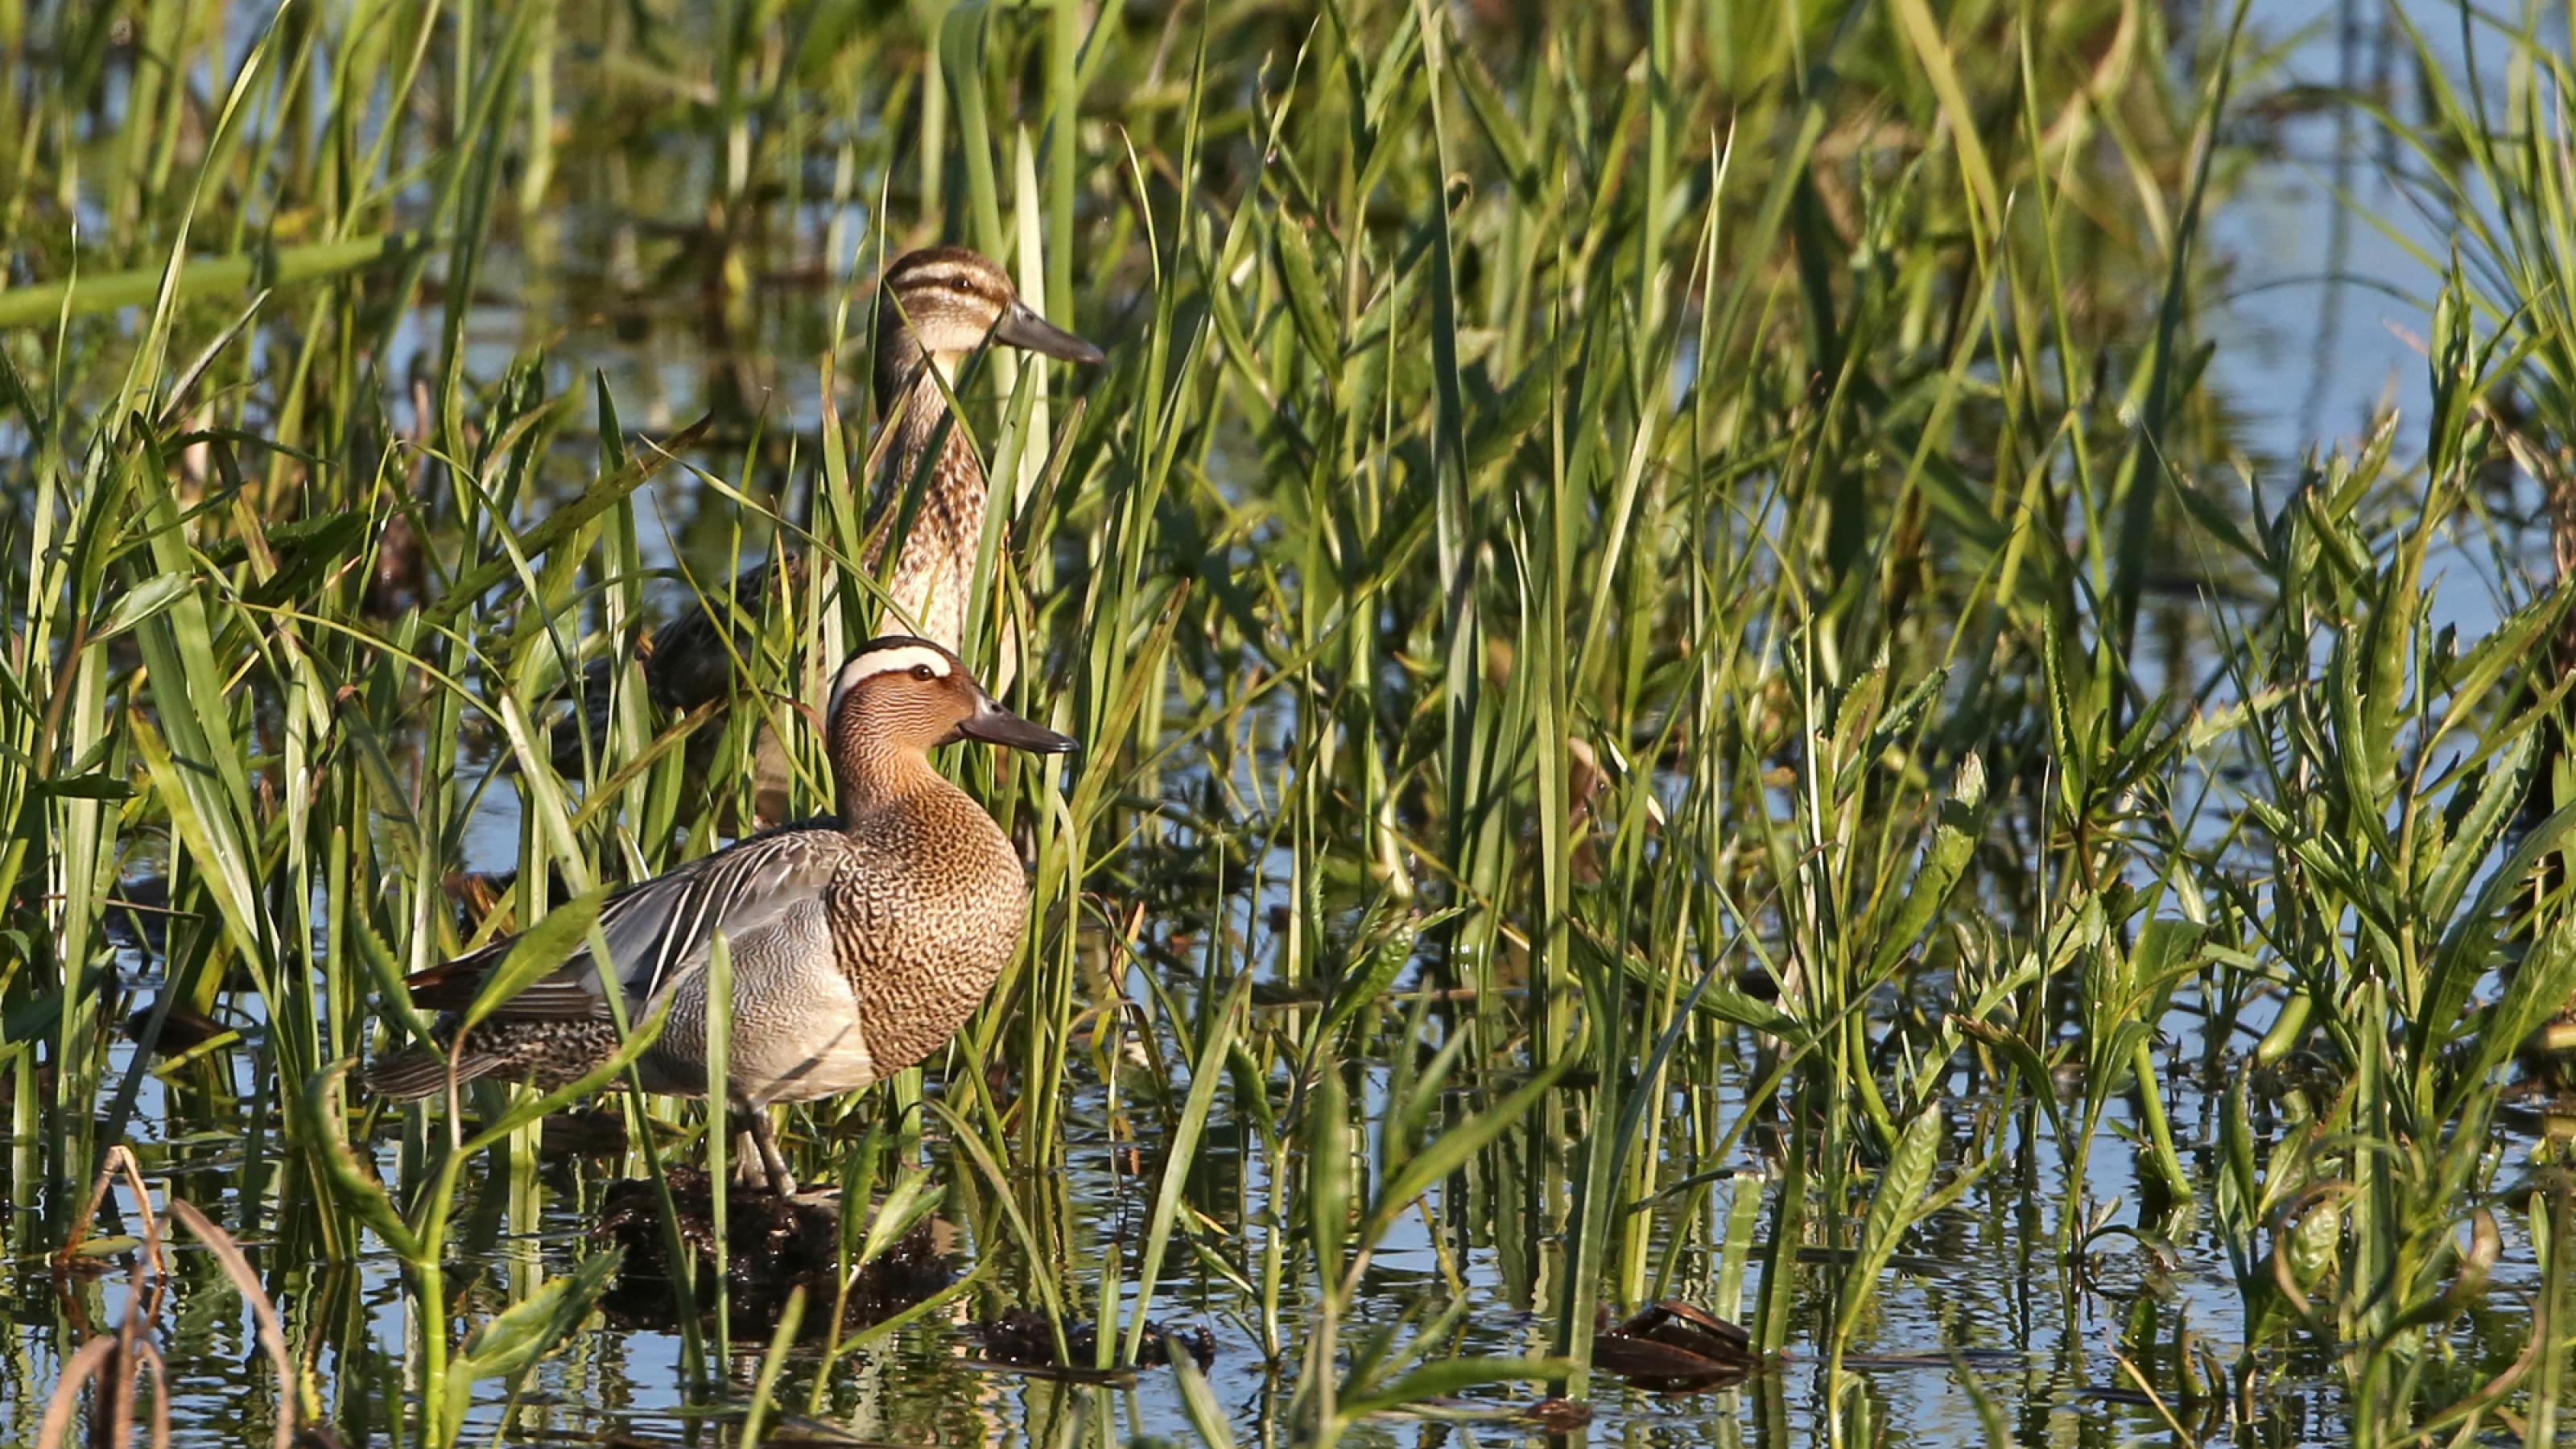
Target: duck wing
[(692, 658), (659, 929)]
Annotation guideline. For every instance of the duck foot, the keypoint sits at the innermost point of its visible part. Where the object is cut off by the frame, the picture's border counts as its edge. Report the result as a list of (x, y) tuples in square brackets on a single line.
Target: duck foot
[(757, 1160)]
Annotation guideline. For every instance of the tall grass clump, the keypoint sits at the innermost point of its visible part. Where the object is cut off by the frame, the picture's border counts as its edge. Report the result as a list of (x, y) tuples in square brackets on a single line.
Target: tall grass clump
[(1689, 695)]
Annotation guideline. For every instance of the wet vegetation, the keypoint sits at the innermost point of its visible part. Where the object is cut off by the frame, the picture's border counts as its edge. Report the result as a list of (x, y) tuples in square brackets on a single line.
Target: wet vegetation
[(1703, 744)]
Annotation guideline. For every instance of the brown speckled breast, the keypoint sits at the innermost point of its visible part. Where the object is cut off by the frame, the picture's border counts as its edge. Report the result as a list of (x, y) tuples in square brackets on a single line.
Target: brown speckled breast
[(923, 937)]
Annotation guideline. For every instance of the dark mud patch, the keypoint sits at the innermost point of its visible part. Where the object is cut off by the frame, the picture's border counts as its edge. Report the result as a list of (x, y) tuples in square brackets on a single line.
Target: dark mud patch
[(1024, 1338), (1675, 1347), (772, 1247)]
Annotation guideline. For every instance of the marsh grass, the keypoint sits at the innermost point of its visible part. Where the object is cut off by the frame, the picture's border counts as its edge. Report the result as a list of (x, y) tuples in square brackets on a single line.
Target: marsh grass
[(1683, 693)]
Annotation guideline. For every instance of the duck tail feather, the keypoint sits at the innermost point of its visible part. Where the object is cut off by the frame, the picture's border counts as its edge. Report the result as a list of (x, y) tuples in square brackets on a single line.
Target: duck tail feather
[(418, 1071)]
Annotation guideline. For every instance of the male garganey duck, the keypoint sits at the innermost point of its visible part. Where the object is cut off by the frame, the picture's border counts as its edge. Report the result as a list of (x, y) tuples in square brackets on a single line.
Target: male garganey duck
[(859, 943)]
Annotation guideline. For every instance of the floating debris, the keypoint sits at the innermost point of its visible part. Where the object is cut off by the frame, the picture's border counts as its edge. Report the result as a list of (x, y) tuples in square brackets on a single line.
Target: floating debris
[(1674, 1347), (773, 1246), (1558, 1415), (1024, 1338), (182, 1029)]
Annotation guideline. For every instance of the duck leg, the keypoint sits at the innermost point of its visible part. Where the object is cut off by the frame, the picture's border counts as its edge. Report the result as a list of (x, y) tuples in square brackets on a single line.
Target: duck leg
[(771, 1163)]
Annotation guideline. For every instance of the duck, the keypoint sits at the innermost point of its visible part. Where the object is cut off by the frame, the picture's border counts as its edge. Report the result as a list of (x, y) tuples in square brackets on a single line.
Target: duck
[(860, 941), (935, 307)]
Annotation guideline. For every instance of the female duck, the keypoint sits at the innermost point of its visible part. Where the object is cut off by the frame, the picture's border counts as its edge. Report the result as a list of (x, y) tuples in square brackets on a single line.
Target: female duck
[(859, 944), (935, 307)]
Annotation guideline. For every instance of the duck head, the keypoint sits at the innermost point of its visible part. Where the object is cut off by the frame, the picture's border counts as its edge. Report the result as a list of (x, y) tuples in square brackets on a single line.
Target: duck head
[(941, 303), (903, 695)]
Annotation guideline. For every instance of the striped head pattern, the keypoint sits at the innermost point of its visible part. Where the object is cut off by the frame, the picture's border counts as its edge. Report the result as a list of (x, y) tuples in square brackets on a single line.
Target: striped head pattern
[(907, 691)]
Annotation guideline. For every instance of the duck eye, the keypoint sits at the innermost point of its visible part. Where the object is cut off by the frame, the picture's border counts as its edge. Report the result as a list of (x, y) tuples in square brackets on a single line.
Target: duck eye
[(924, 673)]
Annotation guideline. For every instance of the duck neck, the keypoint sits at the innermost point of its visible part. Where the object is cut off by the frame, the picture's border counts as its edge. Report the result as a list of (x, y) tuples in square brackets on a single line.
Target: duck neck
[(912, 398), (870, 773), (930, 578)]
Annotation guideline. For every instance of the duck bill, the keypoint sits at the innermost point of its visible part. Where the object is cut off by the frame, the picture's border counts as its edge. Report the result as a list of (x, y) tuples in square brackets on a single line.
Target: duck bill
[(995, 725), (1025, 329)]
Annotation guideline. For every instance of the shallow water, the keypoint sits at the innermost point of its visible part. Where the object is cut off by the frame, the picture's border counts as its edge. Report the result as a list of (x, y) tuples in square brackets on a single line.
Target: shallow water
[(1979, 1299), (2009, 1328)]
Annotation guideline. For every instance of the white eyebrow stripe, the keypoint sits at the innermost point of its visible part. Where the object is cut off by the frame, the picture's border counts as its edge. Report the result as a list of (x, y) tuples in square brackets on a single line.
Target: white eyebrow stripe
[(901, 659)]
